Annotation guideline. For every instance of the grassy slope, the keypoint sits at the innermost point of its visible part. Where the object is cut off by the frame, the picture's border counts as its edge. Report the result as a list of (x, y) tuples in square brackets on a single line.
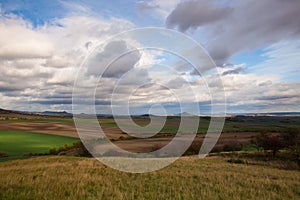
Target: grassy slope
[(18, 143), (187, 178)]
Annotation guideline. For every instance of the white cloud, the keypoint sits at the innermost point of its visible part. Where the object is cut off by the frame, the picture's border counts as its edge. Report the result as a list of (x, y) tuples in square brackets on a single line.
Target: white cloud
[(44, 60), (19, 40)]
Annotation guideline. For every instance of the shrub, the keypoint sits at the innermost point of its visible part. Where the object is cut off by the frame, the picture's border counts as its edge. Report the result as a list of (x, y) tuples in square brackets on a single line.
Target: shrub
[(122, 138), (266, 141), (113, 153), (194, 148), (236, 161), (77, 148), (3, 154), (291, 136), (52, 151), (257, 141), (232, 146), (273, 143)]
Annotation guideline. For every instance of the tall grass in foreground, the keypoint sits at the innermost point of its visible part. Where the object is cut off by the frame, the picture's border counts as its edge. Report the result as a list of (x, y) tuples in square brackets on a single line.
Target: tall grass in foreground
[(187, 178)]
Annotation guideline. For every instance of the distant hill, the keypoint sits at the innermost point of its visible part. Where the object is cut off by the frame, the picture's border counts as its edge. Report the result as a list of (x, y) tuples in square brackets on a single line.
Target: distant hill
[(186, 114), (12, 114), (273, 114), (55, 113), (3, 111), (25, 114)]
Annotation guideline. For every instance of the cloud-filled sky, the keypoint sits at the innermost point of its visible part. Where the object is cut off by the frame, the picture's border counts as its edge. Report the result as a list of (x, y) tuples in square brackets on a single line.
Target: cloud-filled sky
[(255, 45)]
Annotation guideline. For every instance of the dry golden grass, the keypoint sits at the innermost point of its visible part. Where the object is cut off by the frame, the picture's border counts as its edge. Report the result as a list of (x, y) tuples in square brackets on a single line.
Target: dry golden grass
[(188, 178)]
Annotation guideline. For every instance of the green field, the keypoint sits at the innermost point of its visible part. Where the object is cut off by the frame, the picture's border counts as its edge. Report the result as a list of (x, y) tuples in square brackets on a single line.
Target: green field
[(188, 178), (18, 143)]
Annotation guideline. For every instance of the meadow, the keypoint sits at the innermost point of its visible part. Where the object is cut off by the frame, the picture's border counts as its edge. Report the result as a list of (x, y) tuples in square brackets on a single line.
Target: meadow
[(187, 178), (18, 143)]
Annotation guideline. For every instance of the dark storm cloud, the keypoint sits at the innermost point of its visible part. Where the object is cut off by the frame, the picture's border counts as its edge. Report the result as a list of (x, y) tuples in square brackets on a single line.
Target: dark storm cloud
[(176, 83), (192, 14), (69, 101), (247, 25), (10, 88), (135, 77), (277, 97), (15, 80), (52, 102), (58, 96), (183, 66), (266, 83), (234, 71), (115, 60), (261, 107)]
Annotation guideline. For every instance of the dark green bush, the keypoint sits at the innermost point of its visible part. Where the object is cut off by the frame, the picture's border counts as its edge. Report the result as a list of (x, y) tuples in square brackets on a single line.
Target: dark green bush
[(236, 161), (232, 146), (3, 154)]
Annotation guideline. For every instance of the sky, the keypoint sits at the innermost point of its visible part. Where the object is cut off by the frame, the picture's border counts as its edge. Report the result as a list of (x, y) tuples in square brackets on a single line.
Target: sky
[(46, 45)]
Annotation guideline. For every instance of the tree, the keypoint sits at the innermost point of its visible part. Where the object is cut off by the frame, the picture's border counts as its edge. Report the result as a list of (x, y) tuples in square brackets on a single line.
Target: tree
[(291, 137), (273, 143), (266, 141), (257, 141)]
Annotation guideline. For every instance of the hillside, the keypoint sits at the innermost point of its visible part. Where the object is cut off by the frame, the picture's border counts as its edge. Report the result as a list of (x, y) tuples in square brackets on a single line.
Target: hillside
[(3, 111), (187, 178)]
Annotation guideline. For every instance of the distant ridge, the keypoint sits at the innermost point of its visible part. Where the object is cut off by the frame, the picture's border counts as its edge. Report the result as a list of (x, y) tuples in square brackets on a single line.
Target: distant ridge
[(185, 114), (3, 111), (12, 114), (55, 113), (273, 114)]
